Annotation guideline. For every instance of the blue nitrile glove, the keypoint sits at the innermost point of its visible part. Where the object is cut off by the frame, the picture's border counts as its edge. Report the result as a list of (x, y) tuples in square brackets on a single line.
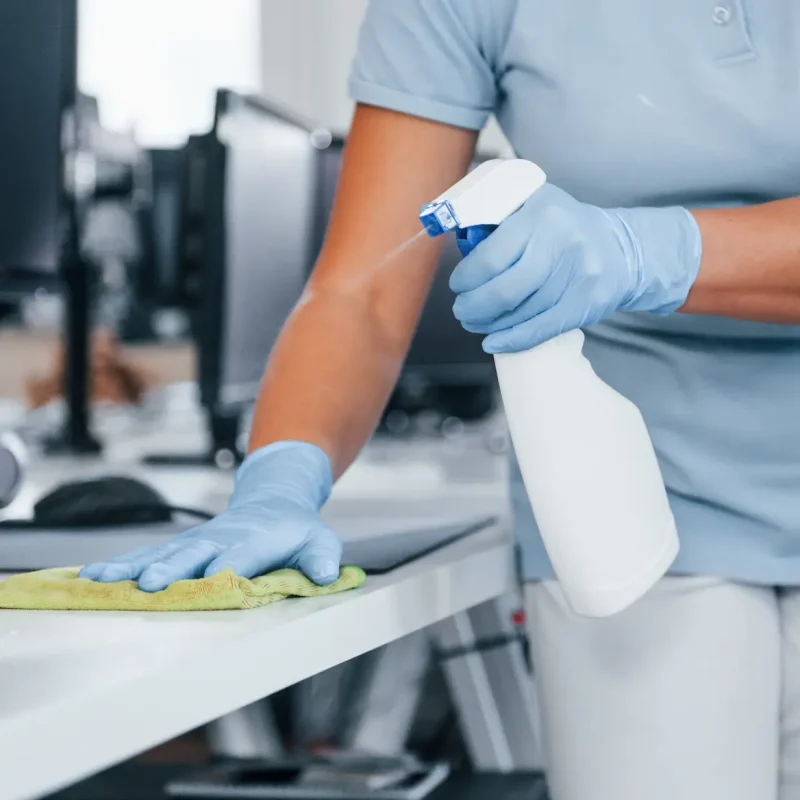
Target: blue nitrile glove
[(271, 522), (558, 264)]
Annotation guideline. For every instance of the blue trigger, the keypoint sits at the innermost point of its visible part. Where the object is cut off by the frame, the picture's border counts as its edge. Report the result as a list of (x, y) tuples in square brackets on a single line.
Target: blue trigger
[(468, 239)]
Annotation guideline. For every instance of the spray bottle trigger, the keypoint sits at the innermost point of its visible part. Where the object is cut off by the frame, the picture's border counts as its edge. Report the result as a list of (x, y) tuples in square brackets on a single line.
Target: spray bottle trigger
[(468, 239)]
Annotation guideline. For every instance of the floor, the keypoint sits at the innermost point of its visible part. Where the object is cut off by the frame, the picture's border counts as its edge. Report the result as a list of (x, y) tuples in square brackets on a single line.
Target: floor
[(28, 355)]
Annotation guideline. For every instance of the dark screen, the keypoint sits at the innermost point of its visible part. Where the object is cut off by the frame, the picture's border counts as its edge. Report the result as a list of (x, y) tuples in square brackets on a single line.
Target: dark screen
[(441, 346), (166, 212), (37, 69), (269, 221), (441, 351)]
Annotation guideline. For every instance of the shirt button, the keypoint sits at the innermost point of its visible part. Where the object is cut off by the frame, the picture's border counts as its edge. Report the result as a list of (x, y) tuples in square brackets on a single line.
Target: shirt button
[(722, 15)]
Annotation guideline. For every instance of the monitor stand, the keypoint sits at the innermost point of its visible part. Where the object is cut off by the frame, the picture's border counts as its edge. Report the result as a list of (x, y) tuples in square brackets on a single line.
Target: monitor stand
[(223, 453), (76, 436)]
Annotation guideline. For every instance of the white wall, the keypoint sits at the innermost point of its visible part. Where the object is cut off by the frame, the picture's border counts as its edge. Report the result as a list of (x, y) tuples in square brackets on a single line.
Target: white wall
[(306, 49), (155, 64)]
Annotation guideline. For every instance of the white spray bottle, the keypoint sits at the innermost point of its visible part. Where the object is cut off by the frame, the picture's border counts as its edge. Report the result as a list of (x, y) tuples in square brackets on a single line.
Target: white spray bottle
[(584, 452)]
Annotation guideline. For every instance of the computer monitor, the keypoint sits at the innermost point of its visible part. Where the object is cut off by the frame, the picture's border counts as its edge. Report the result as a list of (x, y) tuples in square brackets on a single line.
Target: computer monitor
[(39, 236), (163, 226), (248, 222), (446, 369), (269, 189), (38, 75)]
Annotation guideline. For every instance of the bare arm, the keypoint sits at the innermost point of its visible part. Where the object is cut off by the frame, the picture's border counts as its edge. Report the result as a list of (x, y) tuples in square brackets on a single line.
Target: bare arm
[(340, 352), (751, 263)]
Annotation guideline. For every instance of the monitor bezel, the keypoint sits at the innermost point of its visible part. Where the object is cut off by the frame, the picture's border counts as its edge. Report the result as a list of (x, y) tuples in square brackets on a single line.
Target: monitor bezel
[(220, 397), (18, 281)]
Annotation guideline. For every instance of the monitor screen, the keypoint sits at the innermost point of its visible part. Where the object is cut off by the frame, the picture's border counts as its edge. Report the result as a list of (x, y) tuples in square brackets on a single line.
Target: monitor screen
[(166, 166), (442, 352), (37, 84), (268, 217)]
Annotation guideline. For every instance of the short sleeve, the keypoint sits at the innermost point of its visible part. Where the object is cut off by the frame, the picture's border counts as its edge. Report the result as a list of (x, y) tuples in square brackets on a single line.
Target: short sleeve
[(431, 58)]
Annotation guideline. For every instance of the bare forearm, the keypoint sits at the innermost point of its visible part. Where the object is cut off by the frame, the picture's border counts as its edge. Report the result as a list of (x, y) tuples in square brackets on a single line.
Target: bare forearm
[(750, 268), (328, 379), (340, 353)]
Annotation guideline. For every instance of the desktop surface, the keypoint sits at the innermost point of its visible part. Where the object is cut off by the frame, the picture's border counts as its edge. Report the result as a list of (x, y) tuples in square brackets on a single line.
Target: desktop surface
[(66, 674)]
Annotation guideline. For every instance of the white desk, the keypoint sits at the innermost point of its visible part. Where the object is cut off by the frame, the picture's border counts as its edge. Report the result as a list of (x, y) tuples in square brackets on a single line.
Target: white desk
[(81, 691)]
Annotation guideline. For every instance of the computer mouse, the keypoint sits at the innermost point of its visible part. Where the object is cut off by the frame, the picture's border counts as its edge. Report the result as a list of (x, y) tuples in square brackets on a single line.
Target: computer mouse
[(101, 502)]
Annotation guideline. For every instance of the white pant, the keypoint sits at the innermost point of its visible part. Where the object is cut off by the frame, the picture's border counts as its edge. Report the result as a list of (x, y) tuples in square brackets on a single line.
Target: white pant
[(691, 694)]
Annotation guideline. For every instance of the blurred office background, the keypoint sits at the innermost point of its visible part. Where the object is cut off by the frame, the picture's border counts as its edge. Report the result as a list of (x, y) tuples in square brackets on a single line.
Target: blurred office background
[(199, 161), (145, 229)]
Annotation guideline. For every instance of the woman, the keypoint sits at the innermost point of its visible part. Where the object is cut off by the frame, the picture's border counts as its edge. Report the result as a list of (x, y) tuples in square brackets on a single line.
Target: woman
[(669, 133)]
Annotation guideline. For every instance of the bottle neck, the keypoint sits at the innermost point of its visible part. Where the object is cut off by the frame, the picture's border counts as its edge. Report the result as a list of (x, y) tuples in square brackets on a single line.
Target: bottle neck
[(566, 344), (556, 366)]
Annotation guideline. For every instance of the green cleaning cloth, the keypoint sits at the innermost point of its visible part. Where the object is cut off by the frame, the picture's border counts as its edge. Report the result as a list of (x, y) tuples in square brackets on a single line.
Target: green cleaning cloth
[(63, 590)]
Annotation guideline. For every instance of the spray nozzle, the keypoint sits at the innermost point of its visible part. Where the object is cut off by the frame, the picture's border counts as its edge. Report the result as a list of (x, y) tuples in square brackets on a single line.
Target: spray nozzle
[(491, 192), (438, 217)]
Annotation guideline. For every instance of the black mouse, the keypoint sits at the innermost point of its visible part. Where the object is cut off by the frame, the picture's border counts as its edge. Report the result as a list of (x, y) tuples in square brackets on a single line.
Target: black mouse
[(101, 502)]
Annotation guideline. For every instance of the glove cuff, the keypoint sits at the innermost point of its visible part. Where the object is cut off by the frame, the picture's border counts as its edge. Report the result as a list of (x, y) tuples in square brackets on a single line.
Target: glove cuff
[(663, 247), (294, 472)]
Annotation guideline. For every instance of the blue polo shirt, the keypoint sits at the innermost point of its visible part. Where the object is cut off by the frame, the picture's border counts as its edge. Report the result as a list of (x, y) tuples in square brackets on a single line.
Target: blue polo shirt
[(632, 103)]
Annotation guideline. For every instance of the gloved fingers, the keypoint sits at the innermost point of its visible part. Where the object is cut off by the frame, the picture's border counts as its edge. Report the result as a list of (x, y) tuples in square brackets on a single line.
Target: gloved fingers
[(529, 309), (547, 296), (502, 294), (490, 258), (526, 335), (254, 556), (93, 571), (506, 245), (320, 557), (188, 561), (536, 281), (128, 566)]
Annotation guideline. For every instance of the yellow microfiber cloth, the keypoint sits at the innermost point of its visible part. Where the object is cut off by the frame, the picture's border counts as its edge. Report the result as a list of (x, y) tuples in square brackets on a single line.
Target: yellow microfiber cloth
[(63, 590)]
